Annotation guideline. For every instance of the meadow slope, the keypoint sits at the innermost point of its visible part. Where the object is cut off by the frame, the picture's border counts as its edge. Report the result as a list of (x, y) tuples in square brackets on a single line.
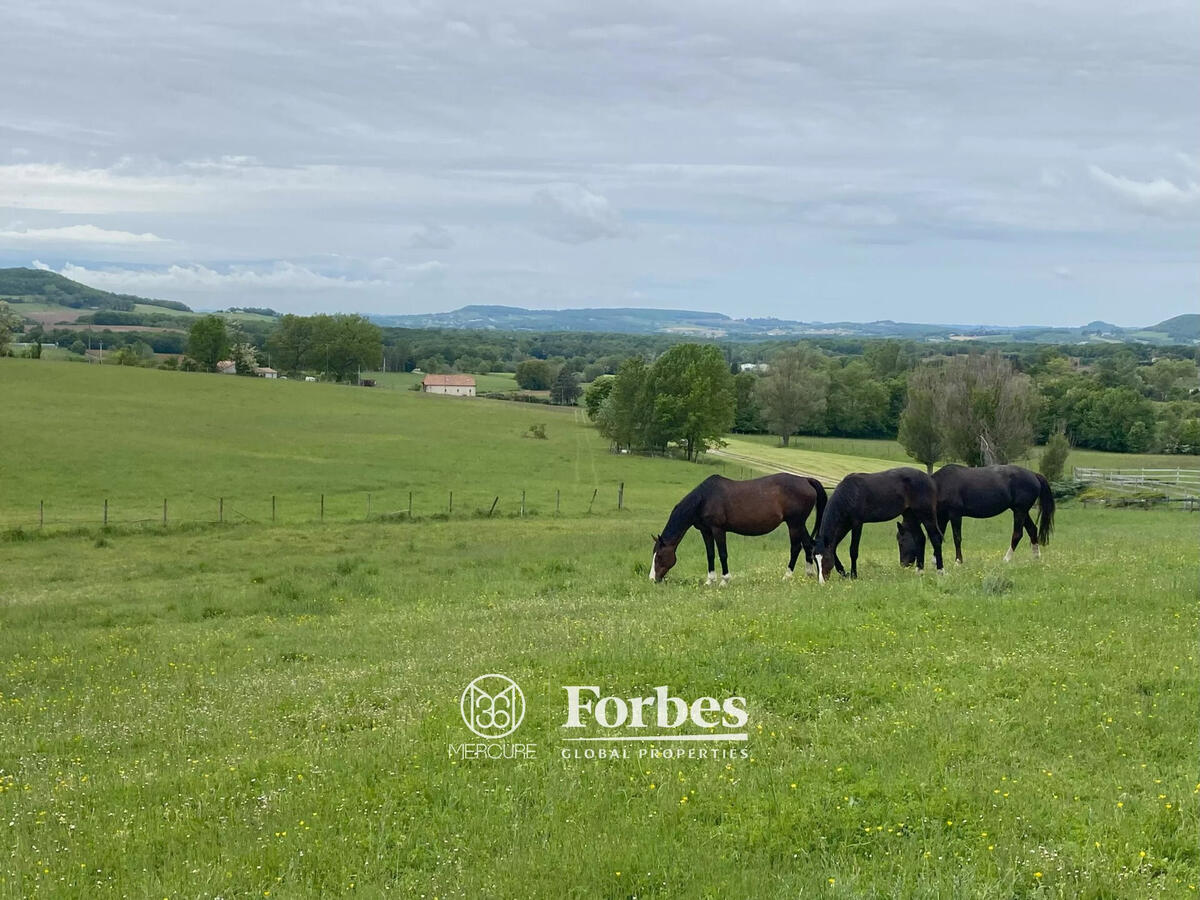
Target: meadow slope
[(247, 710)]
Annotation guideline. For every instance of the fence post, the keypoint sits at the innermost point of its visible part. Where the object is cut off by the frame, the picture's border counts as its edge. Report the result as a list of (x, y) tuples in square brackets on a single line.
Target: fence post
[(621, 496), (220, 509), (593, 500), (164, 512), (368, 504), (41, 513), (322, 507), (522, 503), (493, 509), (105, 510), (272, 509), (557, 499), (410, 504), (450, 511)]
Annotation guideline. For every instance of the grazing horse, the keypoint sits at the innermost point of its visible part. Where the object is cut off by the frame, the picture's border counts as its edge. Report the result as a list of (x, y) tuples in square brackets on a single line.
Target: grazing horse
[(877, 497), (719, 505), (980, 493)]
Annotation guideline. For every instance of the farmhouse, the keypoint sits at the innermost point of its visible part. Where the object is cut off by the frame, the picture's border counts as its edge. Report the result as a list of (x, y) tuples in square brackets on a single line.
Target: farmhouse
[(265, 372), (226, 367), (454, 385)]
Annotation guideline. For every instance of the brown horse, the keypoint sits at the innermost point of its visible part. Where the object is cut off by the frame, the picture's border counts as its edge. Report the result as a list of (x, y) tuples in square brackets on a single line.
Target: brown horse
[(877, 497), (719, 505)]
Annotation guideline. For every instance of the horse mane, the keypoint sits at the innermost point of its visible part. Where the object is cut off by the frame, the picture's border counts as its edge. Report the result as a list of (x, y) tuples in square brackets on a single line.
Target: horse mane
[(842, 501), (684, 515)]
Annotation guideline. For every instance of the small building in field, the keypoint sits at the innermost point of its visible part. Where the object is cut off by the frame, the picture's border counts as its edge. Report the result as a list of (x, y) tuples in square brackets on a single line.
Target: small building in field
[(227, 367), (265, 372), (453, 385)]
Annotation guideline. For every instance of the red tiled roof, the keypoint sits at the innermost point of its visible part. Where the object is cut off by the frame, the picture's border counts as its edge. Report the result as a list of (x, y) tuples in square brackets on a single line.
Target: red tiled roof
[(448, 381)]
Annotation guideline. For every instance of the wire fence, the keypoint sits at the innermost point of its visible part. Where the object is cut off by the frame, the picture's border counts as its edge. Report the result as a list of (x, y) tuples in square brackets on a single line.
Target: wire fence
[(418, 504)]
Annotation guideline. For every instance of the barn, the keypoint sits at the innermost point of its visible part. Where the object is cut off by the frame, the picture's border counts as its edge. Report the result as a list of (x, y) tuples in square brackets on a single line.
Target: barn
[(453, 385)]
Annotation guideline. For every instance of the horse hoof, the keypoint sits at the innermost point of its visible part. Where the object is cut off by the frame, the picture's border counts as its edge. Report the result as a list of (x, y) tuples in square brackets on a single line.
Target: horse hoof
[(787, 575), (711, 579), (725, 580), (920, 571)]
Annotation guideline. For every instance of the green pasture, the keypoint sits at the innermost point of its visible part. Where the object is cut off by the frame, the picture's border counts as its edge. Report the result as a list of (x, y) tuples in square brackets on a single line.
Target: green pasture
[(891, 452), (256, 710)]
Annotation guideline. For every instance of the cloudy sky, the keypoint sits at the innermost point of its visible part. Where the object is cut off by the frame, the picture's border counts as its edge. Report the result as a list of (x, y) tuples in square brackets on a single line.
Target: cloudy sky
[(940, 160)]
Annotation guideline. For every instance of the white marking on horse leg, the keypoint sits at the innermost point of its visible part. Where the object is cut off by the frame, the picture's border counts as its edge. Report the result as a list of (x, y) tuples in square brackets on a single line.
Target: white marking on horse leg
[(1008, 555), (712, 576), (958, 562), (920, 571), (820, 570), (725, 579), (809, 569), (1037, 551), (787, 573)]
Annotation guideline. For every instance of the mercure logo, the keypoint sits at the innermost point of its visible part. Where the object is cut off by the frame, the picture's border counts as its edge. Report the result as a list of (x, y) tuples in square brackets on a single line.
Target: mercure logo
[(492, 706)]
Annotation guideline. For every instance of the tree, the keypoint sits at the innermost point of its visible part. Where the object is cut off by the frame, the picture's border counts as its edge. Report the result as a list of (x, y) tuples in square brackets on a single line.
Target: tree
[(624, 414), (208, 342), (920, 432), (565, 390), (244, 357), (595, 395), (1169, 379), (792, 395), (78, 347), (127, 356), (986, 409), (692, 395), (9, 322), (534, 375), (1118, 419), (1054, 457), (858, 403), (747, 415)]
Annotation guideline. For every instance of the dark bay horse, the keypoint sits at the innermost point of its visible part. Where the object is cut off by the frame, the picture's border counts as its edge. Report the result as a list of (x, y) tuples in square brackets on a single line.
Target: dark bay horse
[(980, 493), (877, 497), (719, 505)]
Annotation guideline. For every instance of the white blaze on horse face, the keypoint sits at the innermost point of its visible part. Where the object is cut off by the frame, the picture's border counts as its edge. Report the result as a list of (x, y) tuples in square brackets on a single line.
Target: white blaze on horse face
[(653, 571), (820, 569)]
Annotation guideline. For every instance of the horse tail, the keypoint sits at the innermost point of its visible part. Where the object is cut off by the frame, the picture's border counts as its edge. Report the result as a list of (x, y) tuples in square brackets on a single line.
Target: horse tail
[(822, 499), (1046, 508)]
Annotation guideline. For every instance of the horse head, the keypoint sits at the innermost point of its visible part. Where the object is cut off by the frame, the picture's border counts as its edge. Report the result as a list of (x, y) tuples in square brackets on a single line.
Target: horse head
[(908, 543), (662, 560)]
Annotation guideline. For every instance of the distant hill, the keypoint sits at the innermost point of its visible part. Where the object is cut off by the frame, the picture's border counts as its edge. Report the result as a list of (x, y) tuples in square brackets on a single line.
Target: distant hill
[(37, 286), (1185, 328), (1181, 329)]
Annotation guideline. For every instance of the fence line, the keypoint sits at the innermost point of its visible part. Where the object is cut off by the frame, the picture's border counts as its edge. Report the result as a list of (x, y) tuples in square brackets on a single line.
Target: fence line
[(1177, 483), (315, 508)]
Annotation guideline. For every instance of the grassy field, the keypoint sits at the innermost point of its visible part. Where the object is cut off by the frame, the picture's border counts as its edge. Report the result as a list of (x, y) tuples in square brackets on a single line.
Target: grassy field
[(892, 452), (251, 710)]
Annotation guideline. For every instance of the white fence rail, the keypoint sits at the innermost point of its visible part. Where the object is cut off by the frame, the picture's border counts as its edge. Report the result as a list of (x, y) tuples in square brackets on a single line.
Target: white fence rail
[(1178, 482)]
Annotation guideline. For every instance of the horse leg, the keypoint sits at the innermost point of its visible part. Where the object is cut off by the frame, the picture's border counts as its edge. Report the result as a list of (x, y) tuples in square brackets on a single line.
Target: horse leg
[(956, 524), (935, 538), (719, 534), (1031, 530), (1018, 526), (794, 536), (855, 534), (710, 551)]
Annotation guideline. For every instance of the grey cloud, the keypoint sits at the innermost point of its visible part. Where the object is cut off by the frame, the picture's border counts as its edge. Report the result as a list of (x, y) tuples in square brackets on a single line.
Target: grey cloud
[(574, 215), (431, 237)]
